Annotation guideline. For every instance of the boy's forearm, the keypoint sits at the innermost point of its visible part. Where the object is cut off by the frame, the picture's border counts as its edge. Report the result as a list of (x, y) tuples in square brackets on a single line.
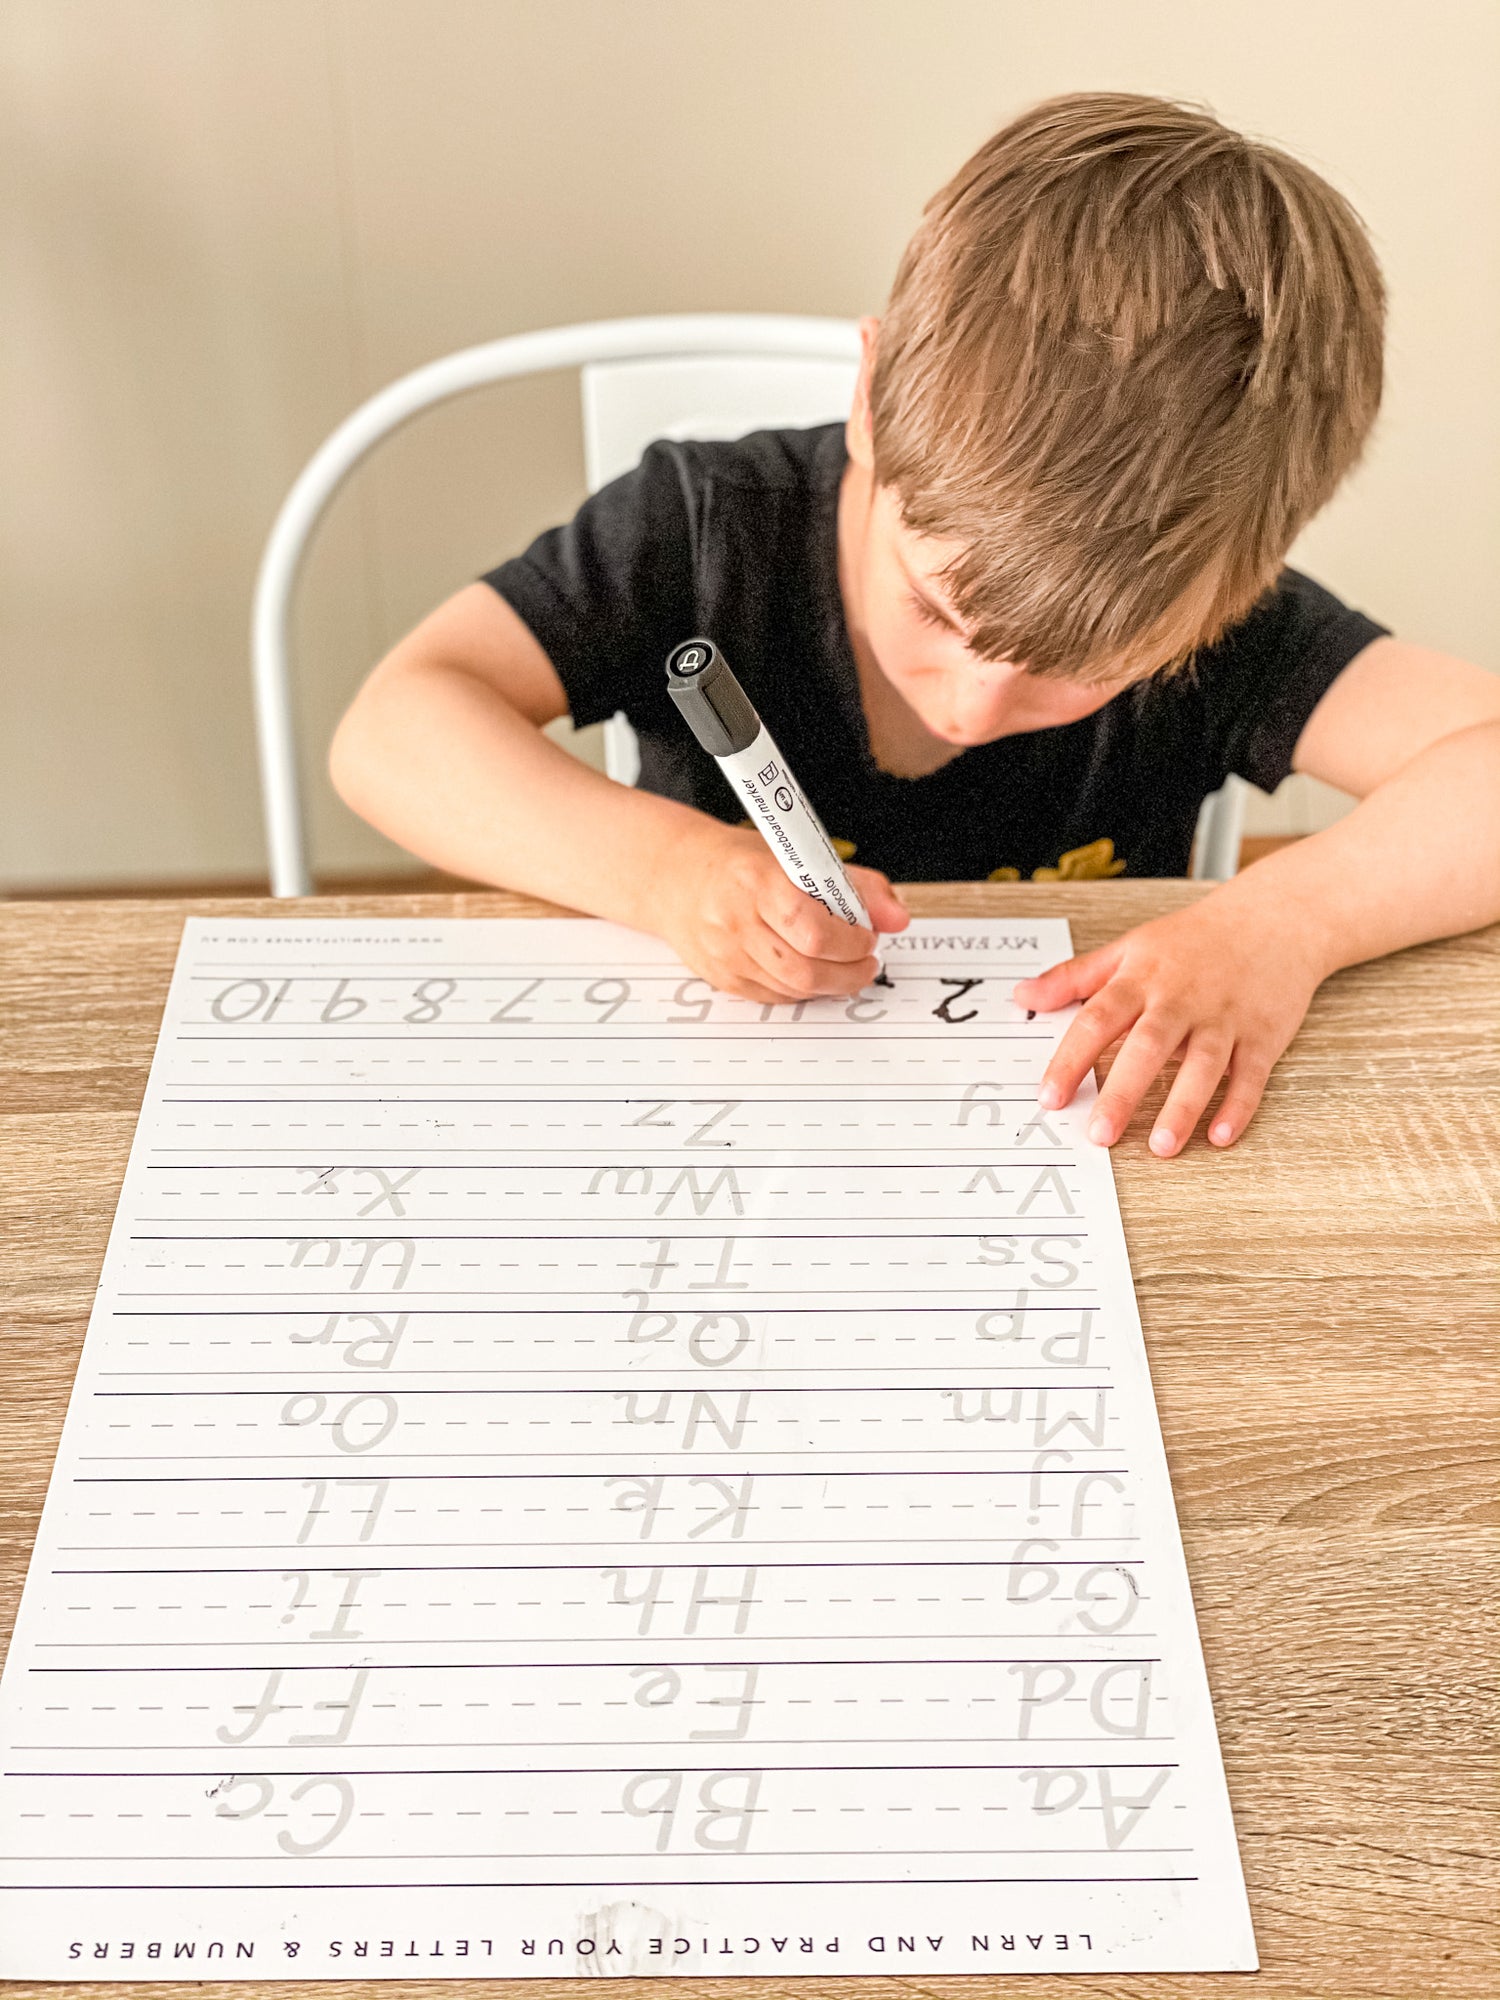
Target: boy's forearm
[(1418, 858), (440, 763)]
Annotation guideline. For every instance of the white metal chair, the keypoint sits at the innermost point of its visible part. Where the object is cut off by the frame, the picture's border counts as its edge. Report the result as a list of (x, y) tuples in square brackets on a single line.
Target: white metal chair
[(1221, 826), (697, 375)]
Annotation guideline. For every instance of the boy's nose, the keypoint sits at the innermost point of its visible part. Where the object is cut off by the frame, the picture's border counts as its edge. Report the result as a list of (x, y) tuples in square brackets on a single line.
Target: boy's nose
[(984, 706)]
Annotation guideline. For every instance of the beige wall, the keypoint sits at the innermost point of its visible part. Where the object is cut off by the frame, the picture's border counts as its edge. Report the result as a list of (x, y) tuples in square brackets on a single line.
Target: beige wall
[(226, 221)]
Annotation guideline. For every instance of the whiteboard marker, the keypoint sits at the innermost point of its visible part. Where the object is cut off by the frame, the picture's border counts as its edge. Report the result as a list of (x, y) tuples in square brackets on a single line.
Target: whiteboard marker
[(722, 717)]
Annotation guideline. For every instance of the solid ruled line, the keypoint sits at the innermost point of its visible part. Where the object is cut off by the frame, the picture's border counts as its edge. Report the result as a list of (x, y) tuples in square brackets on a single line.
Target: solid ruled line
[(587, 1155), (326, 1380), (367, 1479), (625, 1097), (583, 1313), (392, 1298), (721, 1229), (656, 1882), (563, 973), (509, 1312), (627, 1033), (684, 1227), (657, 969), (575, 1569), (607, 1666), (951, 1160), (689, 1388), (719, 1232), (525, 1167), (607, 1549), (875, 1451), (613, 1854), (486, 1639), (596, 1771), (594, 1743)]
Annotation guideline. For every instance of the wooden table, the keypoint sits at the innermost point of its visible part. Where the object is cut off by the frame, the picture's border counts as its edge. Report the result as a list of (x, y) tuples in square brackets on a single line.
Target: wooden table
[(1320, 1306)]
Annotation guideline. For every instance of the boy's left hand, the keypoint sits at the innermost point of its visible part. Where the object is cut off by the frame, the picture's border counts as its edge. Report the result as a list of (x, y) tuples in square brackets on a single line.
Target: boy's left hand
[(1223, 985)]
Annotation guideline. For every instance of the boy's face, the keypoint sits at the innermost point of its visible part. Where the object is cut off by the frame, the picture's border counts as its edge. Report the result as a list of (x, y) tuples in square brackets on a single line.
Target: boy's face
[(918, 642), (908, 622)]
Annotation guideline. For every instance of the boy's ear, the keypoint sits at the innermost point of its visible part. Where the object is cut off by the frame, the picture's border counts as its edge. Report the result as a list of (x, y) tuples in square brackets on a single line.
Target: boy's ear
[(859, 434)]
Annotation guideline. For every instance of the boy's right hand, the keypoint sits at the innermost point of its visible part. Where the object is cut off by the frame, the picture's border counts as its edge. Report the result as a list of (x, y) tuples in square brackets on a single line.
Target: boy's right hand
[(729, 912)]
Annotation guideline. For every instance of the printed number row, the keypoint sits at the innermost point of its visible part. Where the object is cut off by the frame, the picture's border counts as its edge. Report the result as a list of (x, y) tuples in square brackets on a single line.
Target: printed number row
[(560, 1000)]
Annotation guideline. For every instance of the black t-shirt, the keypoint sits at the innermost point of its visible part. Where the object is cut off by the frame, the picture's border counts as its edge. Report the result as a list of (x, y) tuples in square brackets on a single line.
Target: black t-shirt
[(739, 542)]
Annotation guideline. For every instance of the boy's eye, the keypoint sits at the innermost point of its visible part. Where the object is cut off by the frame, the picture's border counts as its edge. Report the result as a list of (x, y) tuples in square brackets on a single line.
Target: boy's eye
[(926, 613)]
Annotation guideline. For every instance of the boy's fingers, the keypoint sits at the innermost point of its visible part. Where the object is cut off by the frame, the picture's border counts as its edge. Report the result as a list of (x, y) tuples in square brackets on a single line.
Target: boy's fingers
[(1195, 1083), (794, 976), (887, 911), (1074, 979), (1248, 1073), (765, 972), (809, 929), (745, 984), (1148, 1046), (747, 989), (1102, 1021)]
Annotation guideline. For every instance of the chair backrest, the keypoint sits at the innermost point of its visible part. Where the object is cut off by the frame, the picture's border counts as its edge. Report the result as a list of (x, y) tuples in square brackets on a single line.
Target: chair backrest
[(704, 374), (628, 403)]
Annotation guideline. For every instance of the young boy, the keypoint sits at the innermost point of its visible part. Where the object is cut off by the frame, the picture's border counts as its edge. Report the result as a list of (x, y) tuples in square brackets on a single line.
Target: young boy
[(1018, 617)]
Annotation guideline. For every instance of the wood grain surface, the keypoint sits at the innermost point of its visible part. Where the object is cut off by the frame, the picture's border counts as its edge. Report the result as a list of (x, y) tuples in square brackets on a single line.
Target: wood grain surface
[(1320, 1306)]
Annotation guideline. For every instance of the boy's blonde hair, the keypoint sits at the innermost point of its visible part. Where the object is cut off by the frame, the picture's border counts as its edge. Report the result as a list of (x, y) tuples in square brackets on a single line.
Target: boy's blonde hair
[(1127, 355)]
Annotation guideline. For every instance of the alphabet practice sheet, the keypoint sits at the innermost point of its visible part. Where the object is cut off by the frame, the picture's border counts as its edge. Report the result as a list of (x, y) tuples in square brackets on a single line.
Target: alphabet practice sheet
[(572, 1472)]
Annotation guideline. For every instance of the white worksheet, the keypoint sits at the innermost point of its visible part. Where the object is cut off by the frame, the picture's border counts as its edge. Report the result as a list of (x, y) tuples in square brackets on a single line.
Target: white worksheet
[(571, 1472)]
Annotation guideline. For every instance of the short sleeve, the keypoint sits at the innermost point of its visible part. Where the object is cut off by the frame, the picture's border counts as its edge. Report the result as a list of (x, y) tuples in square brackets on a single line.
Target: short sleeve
[(608, 595), (1264, 678)]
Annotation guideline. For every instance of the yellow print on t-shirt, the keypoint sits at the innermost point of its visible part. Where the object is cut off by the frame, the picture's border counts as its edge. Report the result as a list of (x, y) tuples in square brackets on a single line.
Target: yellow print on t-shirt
[(1094, 863)]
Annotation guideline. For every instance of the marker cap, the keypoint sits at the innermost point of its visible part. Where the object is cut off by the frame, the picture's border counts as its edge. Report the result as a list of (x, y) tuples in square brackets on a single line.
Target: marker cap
[(716, 708)]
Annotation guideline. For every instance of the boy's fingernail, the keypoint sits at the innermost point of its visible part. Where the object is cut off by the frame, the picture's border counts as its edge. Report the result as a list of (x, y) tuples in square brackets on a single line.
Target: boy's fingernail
[(1049, 1097), (1101, 1132), (1163, 1142), (1222, 1133)]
